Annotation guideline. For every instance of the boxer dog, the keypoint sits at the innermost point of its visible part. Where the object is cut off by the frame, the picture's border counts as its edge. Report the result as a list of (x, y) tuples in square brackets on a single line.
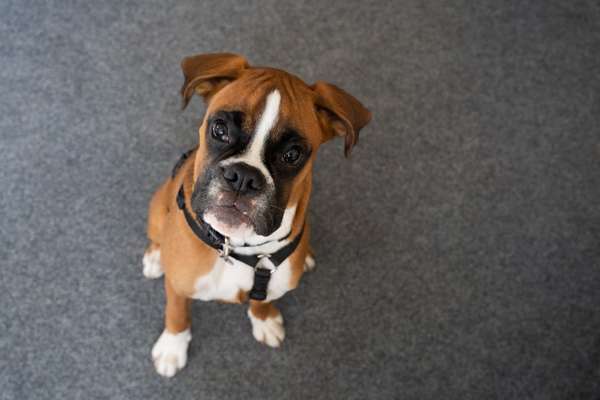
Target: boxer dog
[(230, 224)]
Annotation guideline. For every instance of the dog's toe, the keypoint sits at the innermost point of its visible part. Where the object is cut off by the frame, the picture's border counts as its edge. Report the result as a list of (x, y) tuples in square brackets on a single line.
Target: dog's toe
[(309, 263), (152, 267), (269, 331), (170, 352)]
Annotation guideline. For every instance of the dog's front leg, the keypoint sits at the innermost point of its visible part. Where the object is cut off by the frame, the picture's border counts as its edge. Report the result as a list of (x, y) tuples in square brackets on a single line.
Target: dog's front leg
[(267, 323), (170, 350)]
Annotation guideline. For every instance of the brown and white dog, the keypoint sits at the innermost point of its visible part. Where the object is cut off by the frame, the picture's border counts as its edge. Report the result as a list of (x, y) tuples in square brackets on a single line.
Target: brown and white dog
[(236, 205)]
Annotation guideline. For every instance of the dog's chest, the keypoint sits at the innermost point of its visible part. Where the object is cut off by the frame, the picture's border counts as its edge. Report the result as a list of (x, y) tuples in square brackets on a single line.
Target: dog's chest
[(226, 280)]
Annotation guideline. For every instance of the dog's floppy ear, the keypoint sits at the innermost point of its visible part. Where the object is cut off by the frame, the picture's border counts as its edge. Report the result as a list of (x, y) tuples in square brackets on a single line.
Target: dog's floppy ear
[(340, 114), (206, 74)]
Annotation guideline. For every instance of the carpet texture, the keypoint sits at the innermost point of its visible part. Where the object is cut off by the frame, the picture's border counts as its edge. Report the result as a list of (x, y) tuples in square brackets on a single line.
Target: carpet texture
[(458, 248)]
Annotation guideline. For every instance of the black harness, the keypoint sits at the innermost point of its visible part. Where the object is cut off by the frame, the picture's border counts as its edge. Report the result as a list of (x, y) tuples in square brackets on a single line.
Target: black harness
[(221, 243)]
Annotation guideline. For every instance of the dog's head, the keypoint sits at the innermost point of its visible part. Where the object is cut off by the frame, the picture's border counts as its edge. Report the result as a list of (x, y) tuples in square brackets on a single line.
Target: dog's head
[(258, 141)]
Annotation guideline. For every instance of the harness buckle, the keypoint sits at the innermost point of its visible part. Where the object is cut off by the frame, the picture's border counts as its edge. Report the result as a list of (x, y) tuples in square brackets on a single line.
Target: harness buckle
[(225, 250)]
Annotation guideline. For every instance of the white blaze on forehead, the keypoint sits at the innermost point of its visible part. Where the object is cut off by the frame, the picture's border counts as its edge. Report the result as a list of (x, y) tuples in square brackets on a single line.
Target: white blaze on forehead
[(267, 121)]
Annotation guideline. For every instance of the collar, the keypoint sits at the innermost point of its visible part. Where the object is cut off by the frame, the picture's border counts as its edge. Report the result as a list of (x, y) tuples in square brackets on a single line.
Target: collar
[(214, 239)]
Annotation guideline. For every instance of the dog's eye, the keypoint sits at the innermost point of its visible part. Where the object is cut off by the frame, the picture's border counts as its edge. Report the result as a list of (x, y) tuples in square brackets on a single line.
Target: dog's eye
[(219, 131), (292, 155)]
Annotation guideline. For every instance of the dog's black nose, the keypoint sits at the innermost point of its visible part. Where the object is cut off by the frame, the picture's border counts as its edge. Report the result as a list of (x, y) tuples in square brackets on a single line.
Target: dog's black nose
[(243, 178)]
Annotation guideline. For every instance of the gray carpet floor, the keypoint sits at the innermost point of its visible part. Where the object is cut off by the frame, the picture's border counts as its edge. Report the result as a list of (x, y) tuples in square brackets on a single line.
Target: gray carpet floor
[(458, 248)]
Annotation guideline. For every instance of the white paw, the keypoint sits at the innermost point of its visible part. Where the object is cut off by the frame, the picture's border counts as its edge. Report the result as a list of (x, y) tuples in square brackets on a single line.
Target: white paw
[(269, 331), (170, 352), (309, 263), (152, 267)]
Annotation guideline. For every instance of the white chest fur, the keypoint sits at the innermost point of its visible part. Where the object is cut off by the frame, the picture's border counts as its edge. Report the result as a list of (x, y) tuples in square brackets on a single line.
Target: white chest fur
[(226, 280)]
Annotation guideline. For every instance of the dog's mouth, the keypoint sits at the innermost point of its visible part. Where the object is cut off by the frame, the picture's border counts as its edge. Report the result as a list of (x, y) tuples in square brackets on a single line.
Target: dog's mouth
[(231, 214)]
